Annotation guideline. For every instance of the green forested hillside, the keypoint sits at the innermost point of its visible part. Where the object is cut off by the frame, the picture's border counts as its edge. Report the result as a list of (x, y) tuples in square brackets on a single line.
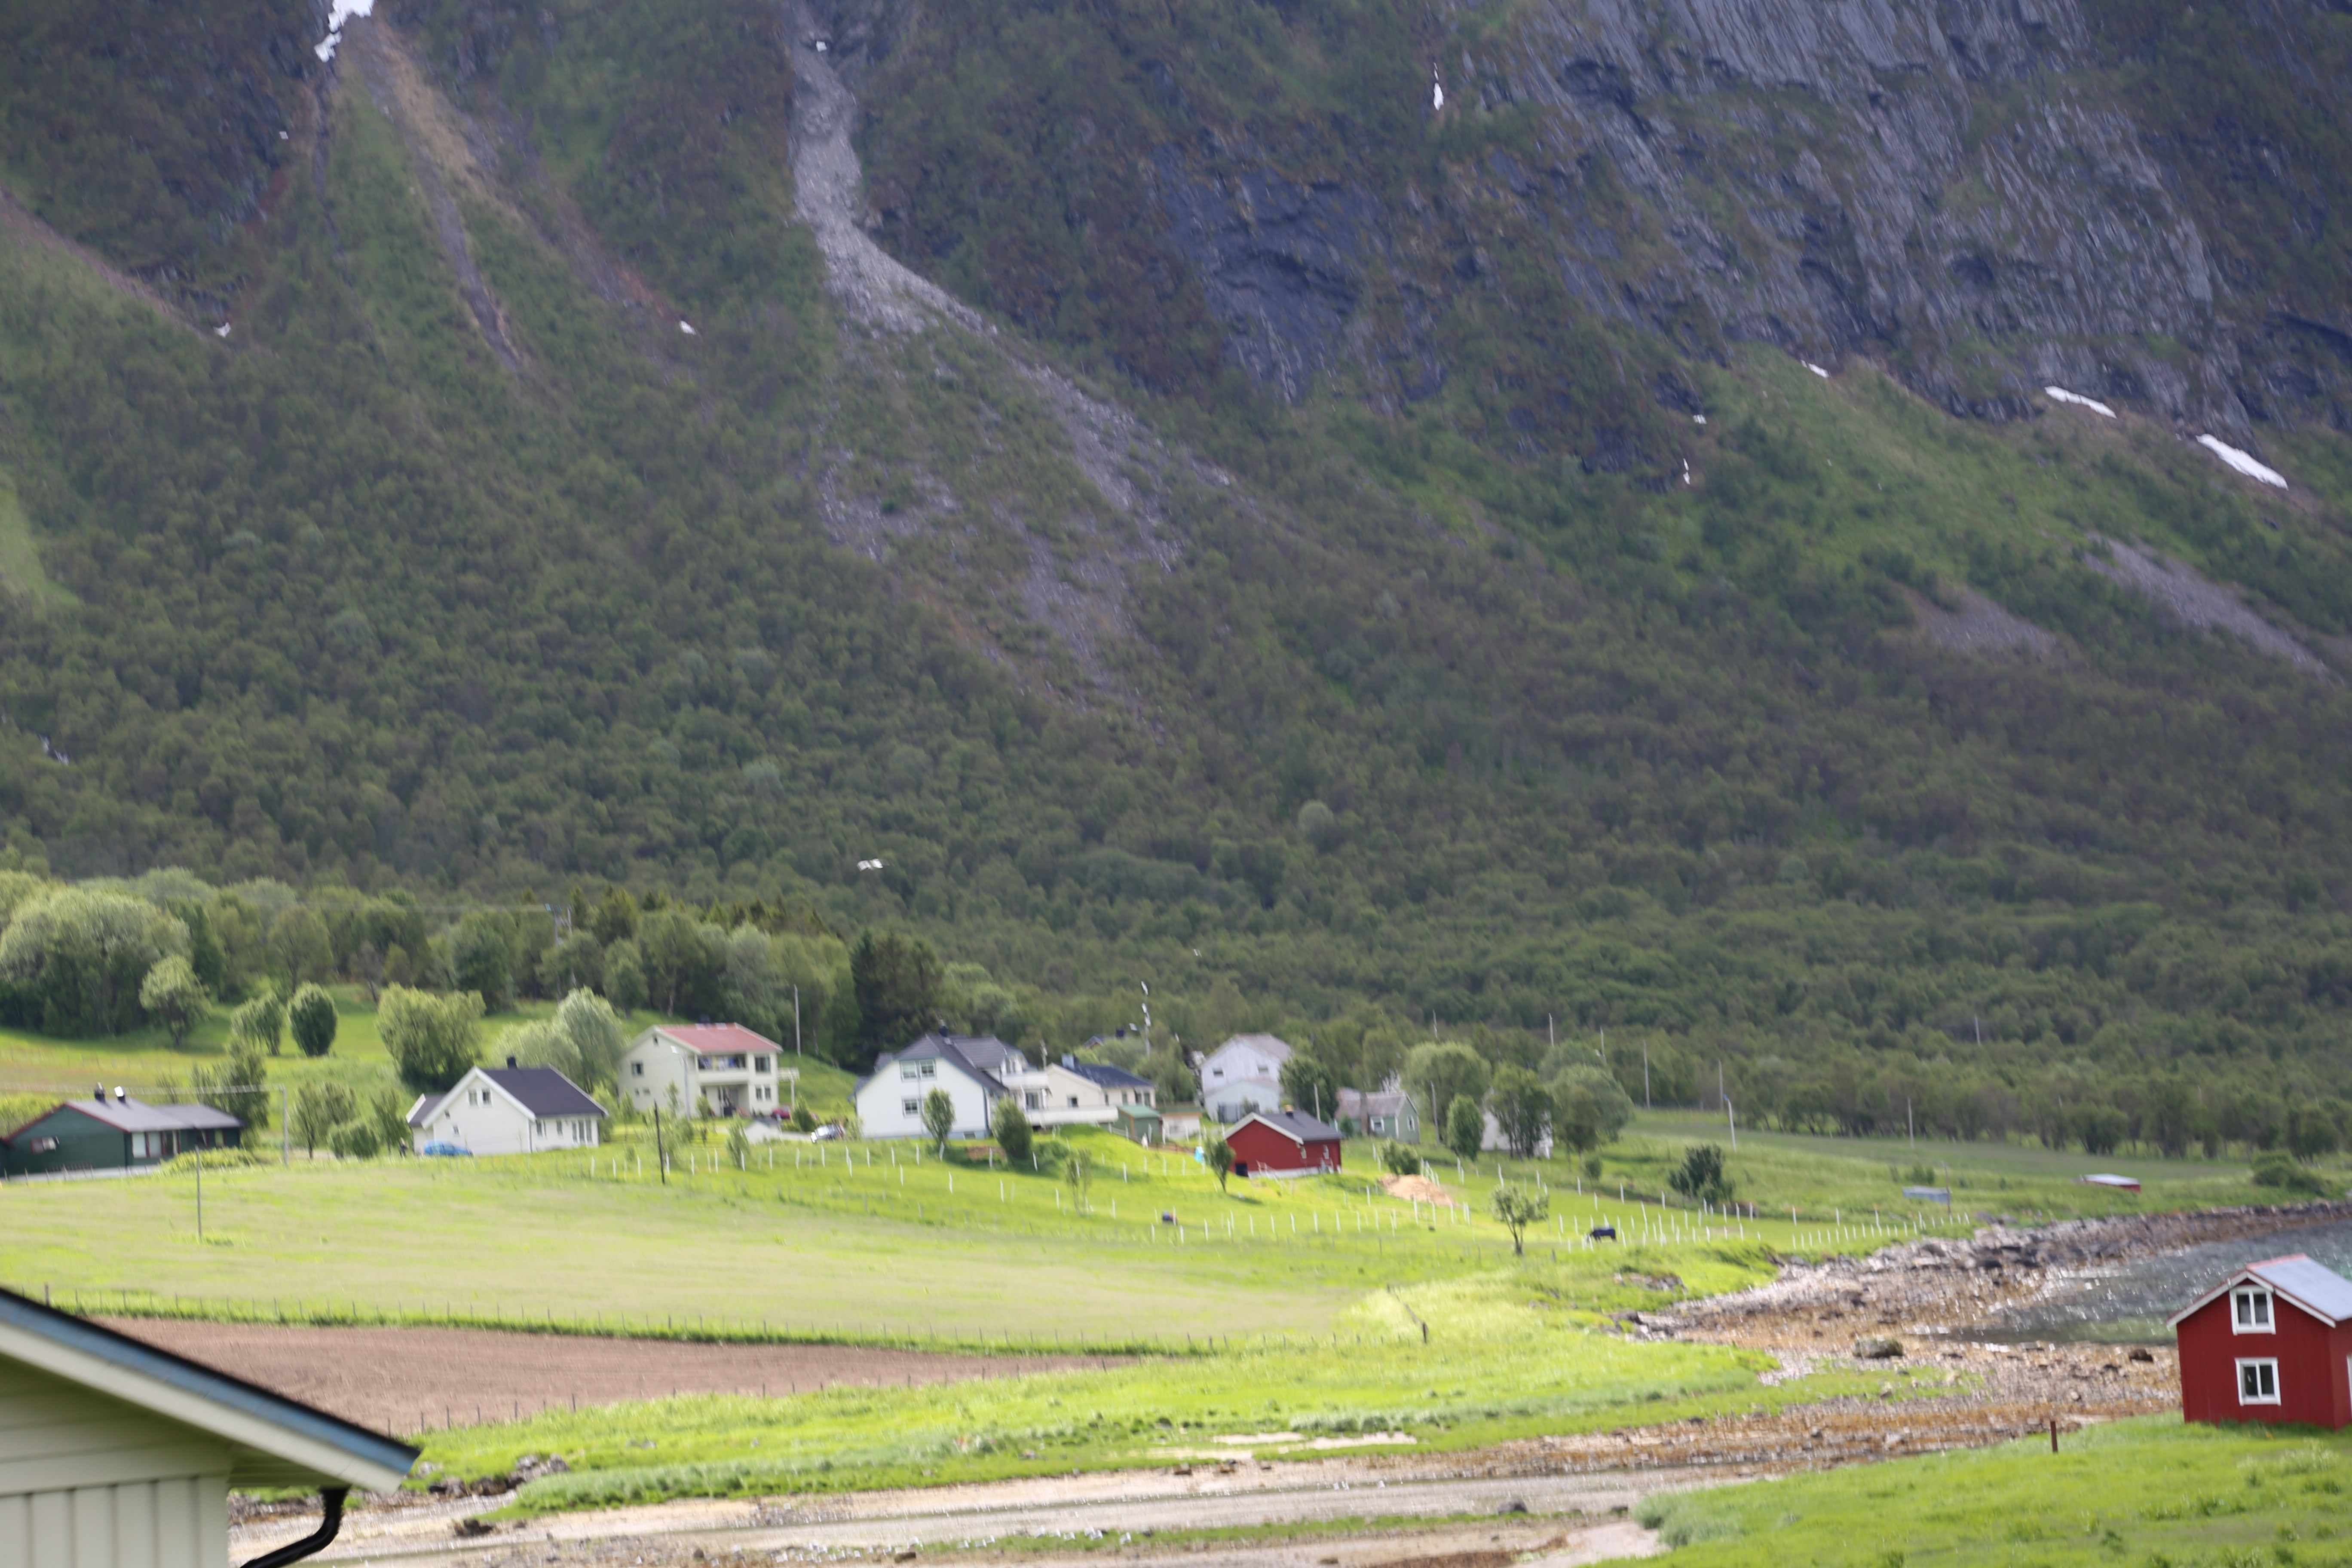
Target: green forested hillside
[(461, 565)]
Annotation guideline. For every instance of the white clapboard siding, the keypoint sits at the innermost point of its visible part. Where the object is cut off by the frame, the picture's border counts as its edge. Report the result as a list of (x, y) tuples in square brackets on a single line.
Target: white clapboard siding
[(89, 1481)]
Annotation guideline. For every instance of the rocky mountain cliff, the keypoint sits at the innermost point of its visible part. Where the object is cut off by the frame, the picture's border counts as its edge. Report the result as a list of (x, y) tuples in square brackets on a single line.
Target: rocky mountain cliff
[(2146, 204)]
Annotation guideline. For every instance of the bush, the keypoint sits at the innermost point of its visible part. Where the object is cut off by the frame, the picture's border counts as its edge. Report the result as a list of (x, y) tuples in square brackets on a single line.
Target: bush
[(321, 1108), (804, 1119), (1011, 1125), (358, 1139), (312, 1017), (2274, 1169), (1701, 1176), (1400, 1159)]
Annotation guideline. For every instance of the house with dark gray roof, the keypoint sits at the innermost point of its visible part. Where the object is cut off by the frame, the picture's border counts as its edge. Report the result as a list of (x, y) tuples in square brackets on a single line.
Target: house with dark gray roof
[(113, 1132), (969, 1069), (511, 1110), (119, 1453)]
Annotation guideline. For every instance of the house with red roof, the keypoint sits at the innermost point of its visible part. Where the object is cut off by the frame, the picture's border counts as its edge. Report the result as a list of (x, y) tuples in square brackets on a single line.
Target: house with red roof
[(729, 1070), (2272, 1343)]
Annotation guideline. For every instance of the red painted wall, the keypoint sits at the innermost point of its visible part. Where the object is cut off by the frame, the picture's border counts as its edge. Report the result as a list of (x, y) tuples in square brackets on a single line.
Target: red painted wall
[(1265, 1149), (2315, 1380)]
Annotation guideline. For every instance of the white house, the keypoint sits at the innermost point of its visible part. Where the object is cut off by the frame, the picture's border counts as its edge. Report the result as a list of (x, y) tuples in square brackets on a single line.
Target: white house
[(1382, 1113), (890, 1100), (1495, 1142), (119, 1453), (1071, 1093), (725, 1068), (509, 1110), (1242, 1075)]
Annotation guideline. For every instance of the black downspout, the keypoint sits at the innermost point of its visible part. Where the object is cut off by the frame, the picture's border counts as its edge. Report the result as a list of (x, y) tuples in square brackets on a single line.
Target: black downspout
[(333, 1498)]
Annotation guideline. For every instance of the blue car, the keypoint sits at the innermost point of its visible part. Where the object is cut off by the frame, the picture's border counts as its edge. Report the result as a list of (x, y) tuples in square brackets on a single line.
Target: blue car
[(446, 1150)]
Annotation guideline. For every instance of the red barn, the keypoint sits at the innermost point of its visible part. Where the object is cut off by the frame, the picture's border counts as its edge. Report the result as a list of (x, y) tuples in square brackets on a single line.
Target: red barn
[(1283, 1144), (2272, 1343)]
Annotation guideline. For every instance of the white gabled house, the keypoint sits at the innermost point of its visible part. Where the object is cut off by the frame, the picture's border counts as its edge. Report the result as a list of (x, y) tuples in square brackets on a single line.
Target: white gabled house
[(509, 1110), (724, 1070), (1243, 1075), (889, 1101)]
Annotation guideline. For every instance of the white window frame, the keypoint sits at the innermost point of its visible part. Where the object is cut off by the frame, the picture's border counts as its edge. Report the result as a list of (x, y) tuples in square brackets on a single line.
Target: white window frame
[(2258, 1365), (2246, 1302), (911, 1107), (636, 1070)]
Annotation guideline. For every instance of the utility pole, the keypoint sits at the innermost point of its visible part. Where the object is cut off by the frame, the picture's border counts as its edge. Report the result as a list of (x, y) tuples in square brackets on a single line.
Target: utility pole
[(1646, 1075), (796, 1026), (1732, 1116), (661, 1162), (1718, 1080), (200, 1195), (1910, 1128)]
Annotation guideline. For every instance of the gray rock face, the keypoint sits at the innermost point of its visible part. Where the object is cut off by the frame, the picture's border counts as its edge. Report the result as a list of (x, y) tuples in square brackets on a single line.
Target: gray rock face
[(1278, 260), (1975, 191)]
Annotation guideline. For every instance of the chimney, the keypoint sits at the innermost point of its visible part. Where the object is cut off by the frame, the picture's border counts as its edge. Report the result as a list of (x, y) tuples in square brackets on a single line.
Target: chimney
[(511, 1061), (120, 1093), (1069, 1061)]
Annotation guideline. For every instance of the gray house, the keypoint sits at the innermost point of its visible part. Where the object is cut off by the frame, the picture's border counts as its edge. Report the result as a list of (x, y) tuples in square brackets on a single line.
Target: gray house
[(107, 1134)]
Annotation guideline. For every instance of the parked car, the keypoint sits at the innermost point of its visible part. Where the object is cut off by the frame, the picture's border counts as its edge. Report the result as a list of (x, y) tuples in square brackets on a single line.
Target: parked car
[(829, 1131), (446, 1150)]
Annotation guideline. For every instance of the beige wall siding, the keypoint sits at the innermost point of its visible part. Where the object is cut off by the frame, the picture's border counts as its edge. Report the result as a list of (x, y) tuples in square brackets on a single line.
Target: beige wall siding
[(87, 1481), (172, 1522)]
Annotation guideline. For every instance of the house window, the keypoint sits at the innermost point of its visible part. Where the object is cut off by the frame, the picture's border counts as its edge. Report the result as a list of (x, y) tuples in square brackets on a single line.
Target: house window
[(1074, 1102), (2258, 1382), (2250, 1312), (636, 1070), (1033, 1100), (911, 1107)]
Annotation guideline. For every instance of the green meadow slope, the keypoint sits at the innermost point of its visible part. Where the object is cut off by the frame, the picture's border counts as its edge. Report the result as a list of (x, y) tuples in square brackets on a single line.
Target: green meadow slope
[(1877, 748)]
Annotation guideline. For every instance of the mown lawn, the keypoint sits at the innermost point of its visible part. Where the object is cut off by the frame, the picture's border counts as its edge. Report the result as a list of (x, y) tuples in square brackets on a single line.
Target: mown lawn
[(2147, 1493)]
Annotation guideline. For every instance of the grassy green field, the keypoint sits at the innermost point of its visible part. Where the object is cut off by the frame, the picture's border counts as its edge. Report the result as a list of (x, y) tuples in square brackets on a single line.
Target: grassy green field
[(1506, 1357), (36, 1070), (2152, 1493)]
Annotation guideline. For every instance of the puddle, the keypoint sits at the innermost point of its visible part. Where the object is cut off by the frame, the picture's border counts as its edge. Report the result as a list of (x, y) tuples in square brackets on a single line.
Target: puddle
[(2128, 1305)]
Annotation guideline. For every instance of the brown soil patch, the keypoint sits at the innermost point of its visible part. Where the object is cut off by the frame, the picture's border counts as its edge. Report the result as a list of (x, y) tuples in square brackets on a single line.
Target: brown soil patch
[(1415, 1189), (408, 1380)]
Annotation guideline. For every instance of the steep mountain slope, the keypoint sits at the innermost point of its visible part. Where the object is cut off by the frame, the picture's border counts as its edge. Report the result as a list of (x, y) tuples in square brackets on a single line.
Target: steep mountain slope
[(1205, 517)]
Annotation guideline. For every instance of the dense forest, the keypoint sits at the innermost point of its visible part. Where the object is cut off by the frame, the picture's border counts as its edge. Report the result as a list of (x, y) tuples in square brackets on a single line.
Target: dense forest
[(421, 485)]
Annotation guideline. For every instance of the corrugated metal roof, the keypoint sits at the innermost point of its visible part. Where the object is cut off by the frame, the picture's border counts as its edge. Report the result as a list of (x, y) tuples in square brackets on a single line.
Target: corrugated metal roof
[(2311, 1285), (127, 1115)]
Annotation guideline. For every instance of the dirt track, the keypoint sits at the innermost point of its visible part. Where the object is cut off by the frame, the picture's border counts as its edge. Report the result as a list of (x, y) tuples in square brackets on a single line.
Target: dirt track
[(406, 1380)]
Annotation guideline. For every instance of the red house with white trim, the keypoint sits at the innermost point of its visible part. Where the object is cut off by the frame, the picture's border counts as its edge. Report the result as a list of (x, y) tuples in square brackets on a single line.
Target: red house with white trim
[(1283, 1144), (2272, 1343)]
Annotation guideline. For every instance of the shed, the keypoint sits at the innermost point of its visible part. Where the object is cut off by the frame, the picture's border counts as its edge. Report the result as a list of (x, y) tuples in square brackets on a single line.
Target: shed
[(118, 1455), (103, 1133), (1283, 1144), (2272, 1343), (1140, 1123)]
